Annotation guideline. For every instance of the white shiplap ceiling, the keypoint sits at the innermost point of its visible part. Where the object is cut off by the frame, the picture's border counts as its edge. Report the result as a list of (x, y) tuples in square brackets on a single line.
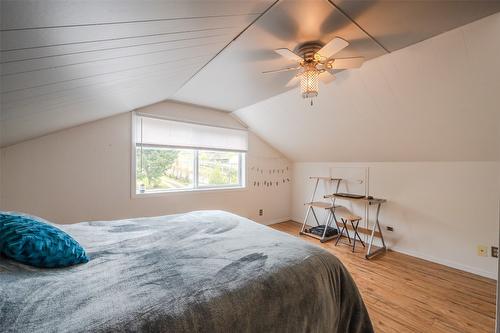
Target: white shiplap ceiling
[(65, 63)]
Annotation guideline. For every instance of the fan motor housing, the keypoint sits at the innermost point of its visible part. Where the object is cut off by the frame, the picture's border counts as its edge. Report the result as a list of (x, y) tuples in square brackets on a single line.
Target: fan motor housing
[(308, 49)]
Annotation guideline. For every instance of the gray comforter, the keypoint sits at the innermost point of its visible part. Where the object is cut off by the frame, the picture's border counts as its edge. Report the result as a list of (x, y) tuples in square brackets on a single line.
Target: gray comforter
[(205, 271)]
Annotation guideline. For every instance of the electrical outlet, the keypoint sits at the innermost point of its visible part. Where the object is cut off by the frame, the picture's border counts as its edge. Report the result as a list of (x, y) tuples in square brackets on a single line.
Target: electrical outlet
[(389, 228), (482, 250), (494, 251), (261, 212)]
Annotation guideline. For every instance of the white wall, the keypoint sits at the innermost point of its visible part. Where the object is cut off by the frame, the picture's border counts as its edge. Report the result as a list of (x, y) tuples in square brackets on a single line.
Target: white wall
[(83, 173), (440, 211), (425, 120)]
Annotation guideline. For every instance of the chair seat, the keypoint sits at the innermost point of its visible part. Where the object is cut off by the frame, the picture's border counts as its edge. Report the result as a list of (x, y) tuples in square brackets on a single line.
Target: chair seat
[(346, 214)]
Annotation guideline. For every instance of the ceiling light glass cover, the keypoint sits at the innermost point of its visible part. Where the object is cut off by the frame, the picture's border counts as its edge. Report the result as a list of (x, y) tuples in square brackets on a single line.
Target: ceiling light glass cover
[(309, 83)]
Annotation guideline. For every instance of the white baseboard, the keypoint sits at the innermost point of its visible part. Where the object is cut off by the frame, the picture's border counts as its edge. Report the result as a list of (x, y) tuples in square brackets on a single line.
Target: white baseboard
[(445, 262), (275, 221), (452, 264)]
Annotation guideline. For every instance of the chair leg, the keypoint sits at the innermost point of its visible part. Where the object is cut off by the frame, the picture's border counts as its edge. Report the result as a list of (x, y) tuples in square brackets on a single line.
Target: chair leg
[(339, 236), (344, 222), (356, 234), (341, 232), (344, 228), (354, 242)]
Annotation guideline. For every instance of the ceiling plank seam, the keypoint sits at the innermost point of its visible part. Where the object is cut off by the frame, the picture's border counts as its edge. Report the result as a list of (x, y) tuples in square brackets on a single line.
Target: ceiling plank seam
[(114, 58), (17, 101), (112, 40), (130, 22), (101, 74)]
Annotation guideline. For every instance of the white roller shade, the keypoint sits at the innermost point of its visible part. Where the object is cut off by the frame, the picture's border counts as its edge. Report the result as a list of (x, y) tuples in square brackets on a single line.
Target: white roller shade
[(161, 132)]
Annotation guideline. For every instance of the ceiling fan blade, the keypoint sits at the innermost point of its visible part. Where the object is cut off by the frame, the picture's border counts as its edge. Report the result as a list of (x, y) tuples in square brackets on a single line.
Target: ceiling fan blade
[(293, 81), (327, 78), (289, 54), (281, 70), (346, 63), (332, 47)]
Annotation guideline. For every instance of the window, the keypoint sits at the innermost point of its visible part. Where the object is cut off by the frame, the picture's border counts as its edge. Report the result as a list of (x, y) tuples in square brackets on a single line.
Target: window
[(175, 156)]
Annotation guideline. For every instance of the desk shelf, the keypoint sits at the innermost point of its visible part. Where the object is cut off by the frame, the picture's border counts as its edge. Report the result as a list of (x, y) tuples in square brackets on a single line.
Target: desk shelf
[(321, 239)]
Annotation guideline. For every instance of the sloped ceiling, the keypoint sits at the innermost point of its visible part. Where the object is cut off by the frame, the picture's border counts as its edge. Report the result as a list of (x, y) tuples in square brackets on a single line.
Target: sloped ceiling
[(437, 100), (65, 63), (375, 27)]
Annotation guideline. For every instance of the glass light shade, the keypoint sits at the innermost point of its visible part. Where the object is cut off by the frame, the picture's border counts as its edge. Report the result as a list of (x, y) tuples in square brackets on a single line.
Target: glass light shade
[(309, 83)]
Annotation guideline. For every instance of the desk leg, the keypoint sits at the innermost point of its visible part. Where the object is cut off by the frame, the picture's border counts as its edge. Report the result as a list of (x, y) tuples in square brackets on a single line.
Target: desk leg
[(376, 225), (327, 223), (315, 216), (305, 220), (335, 218)]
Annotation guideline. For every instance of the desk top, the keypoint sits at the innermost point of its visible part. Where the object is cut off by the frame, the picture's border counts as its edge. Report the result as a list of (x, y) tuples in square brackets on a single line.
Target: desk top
[(326, 178), (371, 201)]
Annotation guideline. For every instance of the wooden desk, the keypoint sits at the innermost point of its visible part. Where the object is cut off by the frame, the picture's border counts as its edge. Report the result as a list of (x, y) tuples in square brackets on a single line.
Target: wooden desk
[(372, 201)]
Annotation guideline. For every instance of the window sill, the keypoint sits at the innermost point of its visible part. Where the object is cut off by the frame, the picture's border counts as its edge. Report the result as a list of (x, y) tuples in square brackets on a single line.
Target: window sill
[(188, 191)]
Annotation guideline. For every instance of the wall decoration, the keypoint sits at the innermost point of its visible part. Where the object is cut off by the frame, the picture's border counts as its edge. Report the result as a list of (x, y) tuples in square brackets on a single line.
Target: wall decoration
[(270, 173)]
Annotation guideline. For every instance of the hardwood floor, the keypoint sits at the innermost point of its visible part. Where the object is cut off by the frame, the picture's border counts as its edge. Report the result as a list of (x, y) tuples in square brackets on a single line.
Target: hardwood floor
[(407, 294)]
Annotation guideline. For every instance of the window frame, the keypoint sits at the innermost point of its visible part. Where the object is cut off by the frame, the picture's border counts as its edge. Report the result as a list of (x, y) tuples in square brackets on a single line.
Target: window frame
[(242, 170)]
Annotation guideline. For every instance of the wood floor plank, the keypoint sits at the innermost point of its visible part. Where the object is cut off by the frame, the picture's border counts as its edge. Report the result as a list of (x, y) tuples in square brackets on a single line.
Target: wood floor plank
[(408, 294)]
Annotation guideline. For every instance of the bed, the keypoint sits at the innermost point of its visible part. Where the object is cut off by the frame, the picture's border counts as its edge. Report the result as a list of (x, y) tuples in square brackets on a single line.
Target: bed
[(204, 271)]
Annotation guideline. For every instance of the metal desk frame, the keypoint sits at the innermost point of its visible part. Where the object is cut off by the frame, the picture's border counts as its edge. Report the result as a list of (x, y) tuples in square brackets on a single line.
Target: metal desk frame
[(329, 207), (374, 201)]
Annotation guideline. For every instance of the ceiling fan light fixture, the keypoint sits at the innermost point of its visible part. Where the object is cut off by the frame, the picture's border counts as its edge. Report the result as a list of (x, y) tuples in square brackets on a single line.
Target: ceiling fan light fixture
[(312, 59), (309, 83)]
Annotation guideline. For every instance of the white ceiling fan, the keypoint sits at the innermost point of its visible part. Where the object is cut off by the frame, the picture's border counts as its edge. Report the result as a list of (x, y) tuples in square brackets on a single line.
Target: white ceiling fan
[(315, 61)]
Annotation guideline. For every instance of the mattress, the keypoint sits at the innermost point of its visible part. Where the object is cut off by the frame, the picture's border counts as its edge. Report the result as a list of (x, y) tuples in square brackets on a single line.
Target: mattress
[(204, 271)]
